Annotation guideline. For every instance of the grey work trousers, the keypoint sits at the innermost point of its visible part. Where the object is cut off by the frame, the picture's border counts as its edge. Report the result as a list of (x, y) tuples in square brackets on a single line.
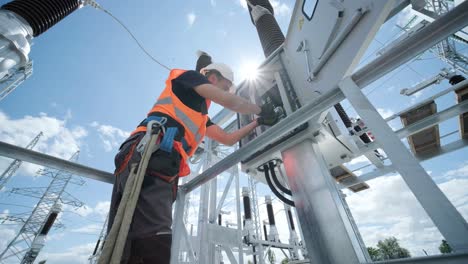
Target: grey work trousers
[(149, 239)]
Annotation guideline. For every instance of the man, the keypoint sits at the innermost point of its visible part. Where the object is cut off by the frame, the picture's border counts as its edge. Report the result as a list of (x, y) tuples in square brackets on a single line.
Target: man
[(183, 105)]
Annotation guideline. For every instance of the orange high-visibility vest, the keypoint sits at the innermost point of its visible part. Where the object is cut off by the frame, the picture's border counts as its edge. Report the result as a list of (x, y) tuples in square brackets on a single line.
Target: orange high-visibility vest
[(193, 121)]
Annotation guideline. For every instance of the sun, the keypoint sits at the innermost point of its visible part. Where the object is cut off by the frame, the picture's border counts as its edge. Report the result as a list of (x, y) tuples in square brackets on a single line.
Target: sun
[(249, 70)]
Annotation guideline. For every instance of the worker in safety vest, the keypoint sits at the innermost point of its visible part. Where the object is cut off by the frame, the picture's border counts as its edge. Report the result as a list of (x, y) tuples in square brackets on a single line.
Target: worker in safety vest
[(184, 105)]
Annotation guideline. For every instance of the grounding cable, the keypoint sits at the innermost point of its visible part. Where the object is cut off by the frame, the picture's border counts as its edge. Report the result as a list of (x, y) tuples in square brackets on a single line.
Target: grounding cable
[(99, 7)]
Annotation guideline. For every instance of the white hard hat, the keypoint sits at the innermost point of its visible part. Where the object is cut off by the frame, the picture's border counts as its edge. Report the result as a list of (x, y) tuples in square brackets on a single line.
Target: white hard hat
[(222, 68)]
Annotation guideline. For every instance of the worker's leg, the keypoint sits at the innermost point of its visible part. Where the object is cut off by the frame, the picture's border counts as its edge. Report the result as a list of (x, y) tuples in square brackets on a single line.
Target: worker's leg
[(123, 159), (150, 231)]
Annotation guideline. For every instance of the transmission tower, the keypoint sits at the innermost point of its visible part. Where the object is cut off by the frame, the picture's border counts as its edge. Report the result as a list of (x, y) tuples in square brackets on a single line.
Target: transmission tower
[(30, 239), (446, 50), (99, 244), (11, 81), (14, 166)]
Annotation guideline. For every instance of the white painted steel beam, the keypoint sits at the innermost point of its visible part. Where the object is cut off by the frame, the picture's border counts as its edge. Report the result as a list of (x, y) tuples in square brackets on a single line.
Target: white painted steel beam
[(442, 212), (26, 155), (390, 60)]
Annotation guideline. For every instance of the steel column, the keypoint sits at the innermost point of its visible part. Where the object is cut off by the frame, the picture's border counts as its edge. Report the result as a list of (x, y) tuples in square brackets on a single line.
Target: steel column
[(328, 234), (178, 224)]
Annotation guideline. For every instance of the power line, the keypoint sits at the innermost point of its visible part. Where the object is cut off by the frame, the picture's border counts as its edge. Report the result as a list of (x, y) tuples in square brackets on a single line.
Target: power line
[(99, 7)]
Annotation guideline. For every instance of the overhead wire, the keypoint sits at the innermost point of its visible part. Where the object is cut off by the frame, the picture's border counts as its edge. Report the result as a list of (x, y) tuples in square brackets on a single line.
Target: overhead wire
[(99, 7)]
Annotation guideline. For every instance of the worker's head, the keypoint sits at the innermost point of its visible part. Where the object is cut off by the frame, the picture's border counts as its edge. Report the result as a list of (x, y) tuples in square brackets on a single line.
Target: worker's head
[(220, 75)]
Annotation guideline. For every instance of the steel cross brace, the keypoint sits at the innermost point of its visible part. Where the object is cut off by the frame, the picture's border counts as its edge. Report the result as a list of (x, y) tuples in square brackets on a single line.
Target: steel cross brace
[(442, 212)]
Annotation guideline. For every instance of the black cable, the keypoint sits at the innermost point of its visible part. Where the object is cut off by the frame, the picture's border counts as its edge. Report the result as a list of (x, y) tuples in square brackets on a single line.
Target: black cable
[(273, 189), (275, 179)]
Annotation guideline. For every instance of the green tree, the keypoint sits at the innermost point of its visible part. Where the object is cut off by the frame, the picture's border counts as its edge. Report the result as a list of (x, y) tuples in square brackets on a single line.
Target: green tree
[(271, 256), (445, 248), (374, 253), (389, 248), (249, 262), (285, 261)]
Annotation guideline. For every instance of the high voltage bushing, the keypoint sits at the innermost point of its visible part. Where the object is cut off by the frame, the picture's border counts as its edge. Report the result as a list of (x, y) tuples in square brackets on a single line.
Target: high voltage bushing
[(42, 15), (246, 199), (263, 3), (269, 32)]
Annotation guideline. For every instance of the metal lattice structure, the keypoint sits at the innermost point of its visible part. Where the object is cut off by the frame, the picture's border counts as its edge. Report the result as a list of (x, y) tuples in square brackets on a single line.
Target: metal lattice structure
[(14, 166), (99, 243), (446, 50), (11, 82), (318, 63), (28, 242)]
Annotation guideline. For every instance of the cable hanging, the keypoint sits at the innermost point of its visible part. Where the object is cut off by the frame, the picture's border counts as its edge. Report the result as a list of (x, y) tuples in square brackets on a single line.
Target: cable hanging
[(99, 7)]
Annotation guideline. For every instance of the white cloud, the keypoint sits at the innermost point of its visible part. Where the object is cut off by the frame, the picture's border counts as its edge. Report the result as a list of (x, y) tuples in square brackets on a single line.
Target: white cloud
[(7, 234), (405, 16), (385, 112), (462, 171), (191, 17), (58, 139), (243, 3), (88, 229), (388, 208), (110, 136), (358, 160), (82, 211), (280, 8), (74, 255), (100, 209)]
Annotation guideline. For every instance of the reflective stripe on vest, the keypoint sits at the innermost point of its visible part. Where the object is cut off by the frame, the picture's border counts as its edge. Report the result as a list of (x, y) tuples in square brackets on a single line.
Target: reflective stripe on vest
[(194, 129), (194, 122)]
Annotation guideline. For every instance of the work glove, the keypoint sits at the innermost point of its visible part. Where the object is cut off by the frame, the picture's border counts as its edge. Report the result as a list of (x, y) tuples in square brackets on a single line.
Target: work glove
[(267, 116)]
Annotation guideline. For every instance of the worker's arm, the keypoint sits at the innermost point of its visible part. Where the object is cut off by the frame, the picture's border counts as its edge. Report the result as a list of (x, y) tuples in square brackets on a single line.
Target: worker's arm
[(226, 99), (216, 133)]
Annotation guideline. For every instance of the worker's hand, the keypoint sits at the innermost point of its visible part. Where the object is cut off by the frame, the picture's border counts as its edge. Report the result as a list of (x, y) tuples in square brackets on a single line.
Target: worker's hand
[(267, 116)]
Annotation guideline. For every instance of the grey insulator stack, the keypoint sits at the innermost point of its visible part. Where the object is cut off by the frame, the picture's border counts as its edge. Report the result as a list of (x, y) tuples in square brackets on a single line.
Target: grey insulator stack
[(269, 32), (247, 208), (42, 15)]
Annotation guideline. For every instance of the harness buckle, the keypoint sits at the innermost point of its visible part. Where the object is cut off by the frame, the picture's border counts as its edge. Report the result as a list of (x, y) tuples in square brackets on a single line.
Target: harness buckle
[(154, 126)]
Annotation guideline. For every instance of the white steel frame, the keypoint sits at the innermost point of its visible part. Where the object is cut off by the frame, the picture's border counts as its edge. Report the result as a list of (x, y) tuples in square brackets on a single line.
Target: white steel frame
[(441, 211)]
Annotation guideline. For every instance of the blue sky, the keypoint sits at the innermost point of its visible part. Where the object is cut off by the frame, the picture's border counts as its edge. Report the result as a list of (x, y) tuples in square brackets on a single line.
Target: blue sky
[(91, 86)]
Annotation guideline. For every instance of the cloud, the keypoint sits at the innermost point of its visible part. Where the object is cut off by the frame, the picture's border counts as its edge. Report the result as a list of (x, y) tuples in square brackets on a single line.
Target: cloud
[(89, 229), (243, 3), (110, 136), (462, 171), (406, 15), (389, 208), (191, 17), (385, 112), (358, 160), (7, 234), (213, 3), (100, 209), (280, 8), (74, 255), (58, 138)]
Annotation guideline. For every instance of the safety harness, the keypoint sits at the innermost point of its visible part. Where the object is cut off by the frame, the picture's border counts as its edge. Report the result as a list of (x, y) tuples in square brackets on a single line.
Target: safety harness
[(117, 237)]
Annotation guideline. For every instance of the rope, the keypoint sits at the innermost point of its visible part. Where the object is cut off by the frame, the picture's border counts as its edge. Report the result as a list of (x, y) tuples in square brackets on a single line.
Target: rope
[(117, 237)]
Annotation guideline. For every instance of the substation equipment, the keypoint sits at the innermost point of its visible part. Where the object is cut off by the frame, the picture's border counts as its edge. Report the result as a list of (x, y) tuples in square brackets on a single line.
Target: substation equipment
[(306, 74)]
